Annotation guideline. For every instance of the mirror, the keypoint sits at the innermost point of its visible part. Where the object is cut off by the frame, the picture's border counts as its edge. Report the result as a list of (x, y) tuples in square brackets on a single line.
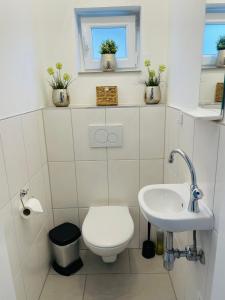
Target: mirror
[(213, 62)]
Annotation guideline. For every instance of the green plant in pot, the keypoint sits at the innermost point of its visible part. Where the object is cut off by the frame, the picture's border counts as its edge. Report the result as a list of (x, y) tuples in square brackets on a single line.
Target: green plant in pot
[(152, 84), (221, 52), (108, 51), (59, 82)]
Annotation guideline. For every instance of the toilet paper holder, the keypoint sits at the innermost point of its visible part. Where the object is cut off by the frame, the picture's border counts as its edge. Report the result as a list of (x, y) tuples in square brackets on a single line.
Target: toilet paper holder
[(23, 193)]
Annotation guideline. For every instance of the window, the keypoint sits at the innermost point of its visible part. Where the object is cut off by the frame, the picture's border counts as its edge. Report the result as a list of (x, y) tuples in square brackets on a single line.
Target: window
[(214, 29), (122, 27), (212, 34)]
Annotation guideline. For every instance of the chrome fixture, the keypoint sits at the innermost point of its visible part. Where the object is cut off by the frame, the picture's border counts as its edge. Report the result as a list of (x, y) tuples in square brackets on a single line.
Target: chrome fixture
[(23, 193), (190, 252), (195, 192)]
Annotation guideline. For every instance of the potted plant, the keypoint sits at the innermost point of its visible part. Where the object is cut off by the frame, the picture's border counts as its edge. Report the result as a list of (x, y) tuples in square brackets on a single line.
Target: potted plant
[(221, 52), (59, 83), (152, 89), (108, 51)]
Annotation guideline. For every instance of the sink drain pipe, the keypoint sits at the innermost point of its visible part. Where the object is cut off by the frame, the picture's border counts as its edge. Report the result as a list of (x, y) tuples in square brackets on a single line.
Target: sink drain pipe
[(190, 252)]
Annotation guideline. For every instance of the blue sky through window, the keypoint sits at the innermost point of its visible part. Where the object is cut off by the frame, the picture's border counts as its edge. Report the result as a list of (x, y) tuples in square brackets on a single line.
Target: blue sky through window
[(212, 33), (100, 34)]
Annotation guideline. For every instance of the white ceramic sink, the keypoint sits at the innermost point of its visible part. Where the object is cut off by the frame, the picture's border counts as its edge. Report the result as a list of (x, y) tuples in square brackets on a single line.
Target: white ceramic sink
[(166, 206)]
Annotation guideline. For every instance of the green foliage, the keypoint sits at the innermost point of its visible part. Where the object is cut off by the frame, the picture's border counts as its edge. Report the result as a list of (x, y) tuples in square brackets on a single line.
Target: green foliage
[(221, 43), (108, 47), (153, 78), (59, 81)]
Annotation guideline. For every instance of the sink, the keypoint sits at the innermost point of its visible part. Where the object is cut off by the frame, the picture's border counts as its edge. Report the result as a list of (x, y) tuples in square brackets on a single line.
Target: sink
[(166, 206)]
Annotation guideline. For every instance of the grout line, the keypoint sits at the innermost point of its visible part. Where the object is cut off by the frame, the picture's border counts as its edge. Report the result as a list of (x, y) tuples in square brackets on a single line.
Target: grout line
[(43, 285), (113, 159), (164, 150), (107, 161), (129, 259), (85, 282), (216, 171), (114, 273), (139, 213), (48, 166), (75, 167), (171, 282)]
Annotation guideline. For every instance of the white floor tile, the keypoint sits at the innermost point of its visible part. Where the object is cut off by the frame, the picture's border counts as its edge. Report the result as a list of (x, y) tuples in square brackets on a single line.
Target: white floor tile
[(139, 264), (63, 288), (127, 286)]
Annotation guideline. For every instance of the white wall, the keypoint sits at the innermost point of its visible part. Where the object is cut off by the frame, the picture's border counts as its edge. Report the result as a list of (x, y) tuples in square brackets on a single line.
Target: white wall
[(62, 45), (20, 73), (209, 79), (185, 51)]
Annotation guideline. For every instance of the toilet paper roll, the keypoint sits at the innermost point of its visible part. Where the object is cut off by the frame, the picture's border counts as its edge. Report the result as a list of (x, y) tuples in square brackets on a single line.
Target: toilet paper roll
[(31, 206)]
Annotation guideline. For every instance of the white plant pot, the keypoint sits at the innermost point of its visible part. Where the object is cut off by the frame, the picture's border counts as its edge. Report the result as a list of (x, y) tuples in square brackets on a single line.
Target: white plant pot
[(108, 62), (220, 62), (152, 94), (60, 97)]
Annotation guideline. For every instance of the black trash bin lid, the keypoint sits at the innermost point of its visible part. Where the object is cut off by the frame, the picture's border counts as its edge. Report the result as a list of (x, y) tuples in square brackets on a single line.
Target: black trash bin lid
[(64, 234)]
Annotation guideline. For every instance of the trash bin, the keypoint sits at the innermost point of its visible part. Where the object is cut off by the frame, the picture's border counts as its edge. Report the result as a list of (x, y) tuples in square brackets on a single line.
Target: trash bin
[(65, 245)]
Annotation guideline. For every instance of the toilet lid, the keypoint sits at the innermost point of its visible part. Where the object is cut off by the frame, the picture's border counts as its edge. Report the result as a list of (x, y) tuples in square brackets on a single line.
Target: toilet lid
[(108, 226)]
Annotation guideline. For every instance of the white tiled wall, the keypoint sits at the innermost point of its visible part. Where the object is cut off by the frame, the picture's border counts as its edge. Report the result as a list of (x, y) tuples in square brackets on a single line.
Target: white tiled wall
[(23, 164), (81, 176), (199, 139)]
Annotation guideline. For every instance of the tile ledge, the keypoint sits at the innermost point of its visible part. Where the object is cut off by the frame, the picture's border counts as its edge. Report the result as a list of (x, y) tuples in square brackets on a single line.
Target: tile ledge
[(100, 107), (200, 113)]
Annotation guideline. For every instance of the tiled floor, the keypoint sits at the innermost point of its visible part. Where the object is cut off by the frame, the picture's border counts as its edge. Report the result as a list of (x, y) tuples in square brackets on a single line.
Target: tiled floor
[(131, 278)]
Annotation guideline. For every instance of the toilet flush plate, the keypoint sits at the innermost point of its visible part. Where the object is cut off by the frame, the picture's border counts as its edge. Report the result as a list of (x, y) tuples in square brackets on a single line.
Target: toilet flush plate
[(110, 135), (97, 135), (115, 135)]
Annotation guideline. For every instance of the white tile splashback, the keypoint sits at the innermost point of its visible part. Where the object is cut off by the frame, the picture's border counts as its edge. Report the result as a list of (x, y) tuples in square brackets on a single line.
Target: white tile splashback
[(23, 164), (59, 138), (92, 183), (30, 123), (63, 184), (199, 139), (3, 181), (152, 126), (111, 176), (123, 182), (205, 157), (129, 118), (14, 153), (81, 119)]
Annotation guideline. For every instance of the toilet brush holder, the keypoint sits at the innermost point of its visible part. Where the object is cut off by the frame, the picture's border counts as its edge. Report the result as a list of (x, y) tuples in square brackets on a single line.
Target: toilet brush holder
[(148, 248)]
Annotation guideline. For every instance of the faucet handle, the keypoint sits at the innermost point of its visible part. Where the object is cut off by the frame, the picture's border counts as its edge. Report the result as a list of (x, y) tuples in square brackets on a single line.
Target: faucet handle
[(197, 193)]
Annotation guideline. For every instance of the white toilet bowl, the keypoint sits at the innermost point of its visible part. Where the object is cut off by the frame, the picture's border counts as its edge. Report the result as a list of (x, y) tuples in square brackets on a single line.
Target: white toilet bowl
[(107, 230)]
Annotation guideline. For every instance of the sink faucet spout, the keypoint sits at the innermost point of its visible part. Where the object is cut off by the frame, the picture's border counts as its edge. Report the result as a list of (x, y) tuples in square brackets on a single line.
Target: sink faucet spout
[(195, 192)]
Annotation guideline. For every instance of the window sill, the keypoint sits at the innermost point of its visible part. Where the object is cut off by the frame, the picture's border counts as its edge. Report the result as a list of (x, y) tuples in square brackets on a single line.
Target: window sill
[(117, 71), (212, 67)]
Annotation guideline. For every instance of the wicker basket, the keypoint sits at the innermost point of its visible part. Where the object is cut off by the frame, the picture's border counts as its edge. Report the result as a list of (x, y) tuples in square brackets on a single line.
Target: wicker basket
[(219, 92), (106, 95)]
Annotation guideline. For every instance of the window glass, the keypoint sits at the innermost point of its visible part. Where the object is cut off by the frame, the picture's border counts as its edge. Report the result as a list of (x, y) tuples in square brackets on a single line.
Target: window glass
[(212, 34), (100, 34)]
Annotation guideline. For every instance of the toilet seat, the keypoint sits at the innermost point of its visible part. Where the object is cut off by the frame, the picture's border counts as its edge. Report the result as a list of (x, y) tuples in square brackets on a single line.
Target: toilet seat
[(107, 230)]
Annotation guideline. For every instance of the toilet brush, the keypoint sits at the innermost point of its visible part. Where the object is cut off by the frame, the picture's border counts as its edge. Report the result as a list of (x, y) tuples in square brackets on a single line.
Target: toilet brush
[(148, 248)]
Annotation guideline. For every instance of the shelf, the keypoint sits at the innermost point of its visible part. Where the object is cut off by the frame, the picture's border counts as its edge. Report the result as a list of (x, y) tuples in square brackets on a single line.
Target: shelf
[(201, 113), (114, 72)]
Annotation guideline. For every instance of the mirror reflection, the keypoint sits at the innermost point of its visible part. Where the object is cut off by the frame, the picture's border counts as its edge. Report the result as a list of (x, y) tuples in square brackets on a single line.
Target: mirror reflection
[(213, 58)]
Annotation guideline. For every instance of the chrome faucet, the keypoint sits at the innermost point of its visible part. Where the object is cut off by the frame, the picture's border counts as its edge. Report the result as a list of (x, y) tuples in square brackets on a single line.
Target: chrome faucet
[(195, 192)]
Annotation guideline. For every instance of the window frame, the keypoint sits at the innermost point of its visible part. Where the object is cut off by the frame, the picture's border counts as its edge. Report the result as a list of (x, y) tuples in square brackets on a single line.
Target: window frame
[(87, 23)]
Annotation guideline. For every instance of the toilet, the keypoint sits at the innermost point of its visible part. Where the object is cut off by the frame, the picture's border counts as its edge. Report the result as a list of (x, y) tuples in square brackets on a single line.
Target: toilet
[(107, 231)]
